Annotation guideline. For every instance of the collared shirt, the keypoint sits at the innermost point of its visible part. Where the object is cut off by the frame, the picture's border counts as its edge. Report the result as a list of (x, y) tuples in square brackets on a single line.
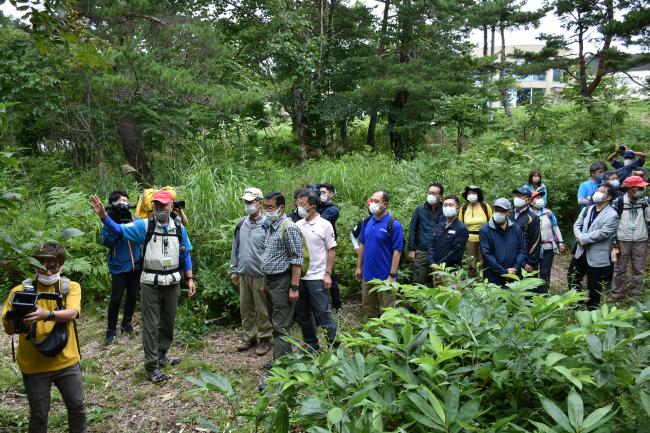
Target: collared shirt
[(248, 247), (319, 235), (282, 246), (587, 189), (378, 248), (624, 171), (448, 243)]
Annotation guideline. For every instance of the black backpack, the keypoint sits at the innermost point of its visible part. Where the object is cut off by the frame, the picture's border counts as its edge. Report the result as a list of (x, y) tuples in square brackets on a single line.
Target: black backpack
[(361, 225)]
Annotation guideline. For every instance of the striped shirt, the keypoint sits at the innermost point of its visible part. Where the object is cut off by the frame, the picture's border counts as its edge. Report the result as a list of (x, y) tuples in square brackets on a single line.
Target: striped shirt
[(282, 246)]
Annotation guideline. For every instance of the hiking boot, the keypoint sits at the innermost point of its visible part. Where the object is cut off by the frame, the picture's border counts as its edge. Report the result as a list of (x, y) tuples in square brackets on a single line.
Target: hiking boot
[(110, 338), (128, 330), (245, 345), (163, 361), (156, 376), (263, 348)]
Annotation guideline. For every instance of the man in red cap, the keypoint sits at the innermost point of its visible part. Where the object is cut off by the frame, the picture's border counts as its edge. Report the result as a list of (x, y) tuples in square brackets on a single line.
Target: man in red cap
[(166, 255), (631, 237)]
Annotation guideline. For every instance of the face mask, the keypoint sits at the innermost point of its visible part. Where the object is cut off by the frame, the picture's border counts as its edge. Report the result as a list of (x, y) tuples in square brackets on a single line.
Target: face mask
[(615, 183), (539, 203), (599, 178), (374, 208), (432, 199), (536, 179), (499, 217), (162, 216), (48, 280), (472, 197), (598, 197), (250, 209), (519, 202), (449, 212), (639, 194), (628, 162), (273, 215), (302, 212), (324, 198)]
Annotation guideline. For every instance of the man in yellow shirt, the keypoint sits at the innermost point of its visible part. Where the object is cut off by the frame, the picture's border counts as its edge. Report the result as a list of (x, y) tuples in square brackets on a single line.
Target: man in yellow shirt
[(62, 368)]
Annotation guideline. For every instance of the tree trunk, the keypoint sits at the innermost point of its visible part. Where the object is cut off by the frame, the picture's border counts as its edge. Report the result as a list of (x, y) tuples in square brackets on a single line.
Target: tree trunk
[(301, 123), (372, 127), (485, 40), (460, 139), (503, 90), (127, 128), (394, 134)]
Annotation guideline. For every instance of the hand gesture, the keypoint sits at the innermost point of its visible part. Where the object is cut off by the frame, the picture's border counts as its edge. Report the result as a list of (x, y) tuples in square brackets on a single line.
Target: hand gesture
[(357, 274), (512, 271), (97, 206), (327, 281), (191, 288)]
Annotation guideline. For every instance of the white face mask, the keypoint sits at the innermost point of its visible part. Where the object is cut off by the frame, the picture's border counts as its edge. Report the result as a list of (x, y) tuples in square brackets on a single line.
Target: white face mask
[(499, 217), (472, 197), (374, 208), (449, 212), (519, 202), (302, 212), (432, 199), (598, 197), (48, 280), (539, 203), (628, 162), (615, 183), (250, 209), (639, 194), (324, 197), (162, 216), (273, 215), (536, 179)]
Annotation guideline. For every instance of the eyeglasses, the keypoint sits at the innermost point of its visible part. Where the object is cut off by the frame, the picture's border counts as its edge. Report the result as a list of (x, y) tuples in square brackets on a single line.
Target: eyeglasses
[(52, 268)]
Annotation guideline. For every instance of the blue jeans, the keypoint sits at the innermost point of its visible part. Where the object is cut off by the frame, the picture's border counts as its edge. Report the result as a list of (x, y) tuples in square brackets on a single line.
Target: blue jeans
[(545, 265), (313, 307)]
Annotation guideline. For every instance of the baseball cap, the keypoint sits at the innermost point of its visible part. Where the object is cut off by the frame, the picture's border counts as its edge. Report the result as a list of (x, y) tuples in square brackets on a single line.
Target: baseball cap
[(503, 203), (522, 190), (164, 196), (537, 194), (251, 194), (629, 154), (635, 181)]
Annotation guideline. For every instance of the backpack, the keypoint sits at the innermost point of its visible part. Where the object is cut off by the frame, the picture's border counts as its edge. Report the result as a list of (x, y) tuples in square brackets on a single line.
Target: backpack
[(144, 206), (620, 203), (305, 249), (57, 339), (466, 206), (151, 230), (389, 229)]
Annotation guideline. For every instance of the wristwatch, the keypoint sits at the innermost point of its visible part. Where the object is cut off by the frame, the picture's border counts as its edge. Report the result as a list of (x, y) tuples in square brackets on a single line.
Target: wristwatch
[(393, 274), (294, 287), (51, 317)]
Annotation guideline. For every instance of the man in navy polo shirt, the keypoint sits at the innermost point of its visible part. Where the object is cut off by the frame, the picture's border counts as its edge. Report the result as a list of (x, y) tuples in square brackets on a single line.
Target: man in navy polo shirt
[(380, 249)]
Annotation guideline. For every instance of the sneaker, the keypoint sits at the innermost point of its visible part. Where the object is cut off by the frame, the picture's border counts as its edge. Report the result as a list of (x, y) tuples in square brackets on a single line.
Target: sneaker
[(263, 348), (110, 338), (128, 330), (163, 361), (156, 376), (245, 345)]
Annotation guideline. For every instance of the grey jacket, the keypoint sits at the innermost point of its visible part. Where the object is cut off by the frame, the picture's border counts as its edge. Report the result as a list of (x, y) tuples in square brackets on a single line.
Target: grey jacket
[(595, 241), (248, 248)]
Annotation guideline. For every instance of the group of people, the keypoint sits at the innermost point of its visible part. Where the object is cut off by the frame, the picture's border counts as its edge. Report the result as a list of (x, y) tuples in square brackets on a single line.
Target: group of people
[(283, 265)]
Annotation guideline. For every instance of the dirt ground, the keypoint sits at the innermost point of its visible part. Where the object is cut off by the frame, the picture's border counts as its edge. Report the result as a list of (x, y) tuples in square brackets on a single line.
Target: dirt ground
[(120, 399)]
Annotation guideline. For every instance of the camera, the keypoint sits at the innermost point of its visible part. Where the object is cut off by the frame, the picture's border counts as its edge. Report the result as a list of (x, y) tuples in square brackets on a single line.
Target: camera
[(179, 204), (120, 213), (621, 149), (22, 303)]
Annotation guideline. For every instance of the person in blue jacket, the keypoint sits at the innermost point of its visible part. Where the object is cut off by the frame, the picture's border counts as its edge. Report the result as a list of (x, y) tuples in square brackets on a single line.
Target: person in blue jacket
[(124, 263), (330, 211), (502, 245), (449, 237)]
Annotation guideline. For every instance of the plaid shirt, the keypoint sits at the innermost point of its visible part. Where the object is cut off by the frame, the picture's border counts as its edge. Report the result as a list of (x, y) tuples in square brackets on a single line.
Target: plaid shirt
[(282, 247)]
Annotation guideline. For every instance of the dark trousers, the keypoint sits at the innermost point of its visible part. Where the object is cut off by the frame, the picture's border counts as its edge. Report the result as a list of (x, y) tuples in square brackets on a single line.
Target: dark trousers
[(335, 292), (312, 309), (597, 278), (38, 387), (545, 266), (129, 282)]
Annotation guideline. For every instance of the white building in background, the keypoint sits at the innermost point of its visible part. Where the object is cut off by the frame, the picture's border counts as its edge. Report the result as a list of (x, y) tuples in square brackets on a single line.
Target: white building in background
[(635, 79)]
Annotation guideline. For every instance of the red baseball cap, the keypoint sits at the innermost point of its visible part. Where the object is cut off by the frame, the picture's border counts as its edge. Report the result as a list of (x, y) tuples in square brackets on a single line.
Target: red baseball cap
[(635, 181), (163, 196)]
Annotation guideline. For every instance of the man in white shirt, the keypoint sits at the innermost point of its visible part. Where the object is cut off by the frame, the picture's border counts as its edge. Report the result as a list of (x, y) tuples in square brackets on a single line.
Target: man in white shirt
[(312, 307)]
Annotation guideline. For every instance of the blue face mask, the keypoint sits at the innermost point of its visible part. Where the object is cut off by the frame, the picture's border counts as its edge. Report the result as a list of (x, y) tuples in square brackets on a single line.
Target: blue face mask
[(599, 178)]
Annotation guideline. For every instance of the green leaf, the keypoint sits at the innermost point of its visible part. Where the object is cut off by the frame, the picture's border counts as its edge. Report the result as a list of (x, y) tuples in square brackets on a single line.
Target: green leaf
[(543, 427), (316, 429), (567, 373), (281, 424), (70, 232), (584, 318), (645, 401), (556, 413), (208, 425), (596, 419), (575, 409), (217, 382), (595, 347), (552, 358), (313, 407), (643, 376), (426, 409), (452, 396), (435, 342), (334, 415)]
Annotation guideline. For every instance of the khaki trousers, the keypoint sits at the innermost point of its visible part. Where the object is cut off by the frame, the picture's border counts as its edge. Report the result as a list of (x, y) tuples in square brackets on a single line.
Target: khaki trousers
[(634, 252), (254, 308), (374, 303), (421, 269), (159, 305)]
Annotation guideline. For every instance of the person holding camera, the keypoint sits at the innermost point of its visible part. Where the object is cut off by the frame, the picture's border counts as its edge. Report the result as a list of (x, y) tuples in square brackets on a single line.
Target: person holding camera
[(43, 313), (166, 255), (124, 263), (630, 161)]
